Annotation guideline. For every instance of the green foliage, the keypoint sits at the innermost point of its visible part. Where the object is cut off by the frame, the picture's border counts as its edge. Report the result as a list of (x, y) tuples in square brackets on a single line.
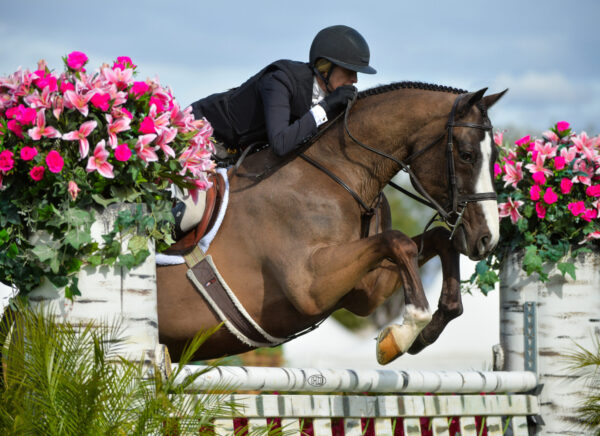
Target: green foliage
[(586, 363), (65, 380)]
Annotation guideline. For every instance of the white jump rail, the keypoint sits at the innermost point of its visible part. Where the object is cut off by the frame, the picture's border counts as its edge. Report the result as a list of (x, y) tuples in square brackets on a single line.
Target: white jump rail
[(502, 399)]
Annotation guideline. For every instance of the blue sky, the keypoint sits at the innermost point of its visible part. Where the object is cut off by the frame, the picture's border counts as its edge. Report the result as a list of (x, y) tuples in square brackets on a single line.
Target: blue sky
[(546, 52)]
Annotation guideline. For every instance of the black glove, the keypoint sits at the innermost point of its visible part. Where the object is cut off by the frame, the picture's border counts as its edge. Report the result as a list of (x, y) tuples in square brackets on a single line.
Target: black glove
[(335, 102)]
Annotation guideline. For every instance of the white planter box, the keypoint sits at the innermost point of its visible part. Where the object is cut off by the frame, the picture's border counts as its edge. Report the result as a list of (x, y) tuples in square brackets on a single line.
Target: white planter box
[(567, 312), (110, 294)]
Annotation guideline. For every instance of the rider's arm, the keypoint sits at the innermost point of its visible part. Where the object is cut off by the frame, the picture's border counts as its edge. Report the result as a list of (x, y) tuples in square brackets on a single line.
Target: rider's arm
[(276, 92)]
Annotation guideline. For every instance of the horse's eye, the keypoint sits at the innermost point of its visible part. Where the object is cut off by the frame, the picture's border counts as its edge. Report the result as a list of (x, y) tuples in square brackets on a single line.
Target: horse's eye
[(466, 156)]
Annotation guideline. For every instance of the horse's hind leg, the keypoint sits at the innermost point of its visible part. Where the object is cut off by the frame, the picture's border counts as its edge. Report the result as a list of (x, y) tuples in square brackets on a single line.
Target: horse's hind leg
[(437, 242)]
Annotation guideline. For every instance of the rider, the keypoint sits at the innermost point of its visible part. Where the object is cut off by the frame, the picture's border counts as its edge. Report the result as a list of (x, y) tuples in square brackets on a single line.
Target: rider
[(285, 103)]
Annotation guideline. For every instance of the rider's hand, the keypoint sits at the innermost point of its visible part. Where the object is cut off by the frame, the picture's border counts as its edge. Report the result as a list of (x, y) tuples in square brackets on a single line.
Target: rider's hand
[(335, 102)]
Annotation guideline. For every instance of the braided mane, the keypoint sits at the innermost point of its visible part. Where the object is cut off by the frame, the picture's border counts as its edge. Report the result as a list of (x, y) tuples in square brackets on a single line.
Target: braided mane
[(409, 85)]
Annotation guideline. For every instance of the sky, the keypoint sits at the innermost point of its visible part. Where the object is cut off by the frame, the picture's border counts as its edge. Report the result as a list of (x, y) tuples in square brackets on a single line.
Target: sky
[(545, 52)]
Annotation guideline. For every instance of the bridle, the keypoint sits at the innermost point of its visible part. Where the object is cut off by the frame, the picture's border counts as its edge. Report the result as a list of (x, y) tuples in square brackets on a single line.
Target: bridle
[(457, 201)]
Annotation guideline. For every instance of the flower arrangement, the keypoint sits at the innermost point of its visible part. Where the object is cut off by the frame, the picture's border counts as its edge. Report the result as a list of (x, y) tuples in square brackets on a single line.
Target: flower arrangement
[(74, 142), (548, 200)]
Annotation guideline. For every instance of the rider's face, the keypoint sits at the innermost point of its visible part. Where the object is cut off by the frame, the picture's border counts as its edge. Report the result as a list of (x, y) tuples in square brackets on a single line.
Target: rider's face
[(341, 76)]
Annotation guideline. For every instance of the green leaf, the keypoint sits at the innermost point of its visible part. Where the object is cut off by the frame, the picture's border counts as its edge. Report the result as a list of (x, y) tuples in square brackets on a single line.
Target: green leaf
[(532, 262), (126, 260), (77, 238), (95, 260), (567, 268), (137, 244), (78, 217), (44, 252), (104, 202), (12, 251)]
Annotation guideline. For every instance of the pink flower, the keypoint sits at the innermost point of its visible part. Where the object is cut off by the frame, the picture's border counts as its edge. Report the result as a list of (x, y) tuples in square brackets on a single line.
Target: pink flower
[(15, 127), (139, 88), (28, 153), (593, 191), (101, 101), (513, 174), (117, 126), (147, 126), (551, 136), (510, 209), (576, 208), (539, 177), (534, 192), (498, 137), (78, 101), (538, 166), (37, 173), (73, 190), (55, 162), (166, 137), (201, 184), (589, 215), (99, 161), (581, 166), (66, 86), (591, 236), (84, 131), (561, 126), (46, 80), (565, 185), (550, 196), (146, 153), (497, 170), (540, 210), (76, 60), (124, 62), (585, 145), (7, 162), (524, 140), (559, 162), (569, 154), (120, 77), (122, 153)]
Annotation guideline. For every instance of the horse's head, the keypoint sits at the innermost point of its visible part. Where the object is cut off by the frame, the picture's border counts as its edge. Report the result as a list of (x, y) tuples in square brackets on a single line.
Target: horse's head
[(463, 170)]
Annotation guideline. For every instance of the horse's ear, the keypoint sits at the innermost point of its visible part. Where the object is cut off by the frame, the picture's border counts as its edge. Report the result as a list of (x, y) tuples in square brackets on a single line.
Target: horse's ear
[(468, 101), (490, 100)]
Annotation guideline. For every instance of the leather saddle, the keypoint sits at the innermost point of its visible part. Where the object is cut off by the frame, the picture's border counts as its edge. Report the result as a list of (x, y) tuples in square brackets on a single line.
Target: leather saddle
[(212, 204)]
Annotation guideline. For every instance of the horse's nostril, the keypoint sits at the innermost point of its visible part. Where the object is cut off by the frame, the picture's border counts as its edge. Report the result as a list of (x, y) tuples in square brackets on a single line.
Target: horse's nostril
[(483, 245)]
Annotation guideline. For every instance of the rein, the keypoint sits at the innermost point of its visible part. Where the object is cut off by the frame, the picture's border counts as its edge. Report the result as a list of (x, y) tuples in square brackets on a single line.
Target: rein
[(458, 201)]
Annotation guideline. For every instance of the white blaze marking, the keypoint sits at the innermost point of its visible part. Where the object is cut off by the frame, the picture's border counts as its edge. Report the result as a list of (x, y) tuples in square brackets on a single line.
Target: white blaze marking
[(486, 184)]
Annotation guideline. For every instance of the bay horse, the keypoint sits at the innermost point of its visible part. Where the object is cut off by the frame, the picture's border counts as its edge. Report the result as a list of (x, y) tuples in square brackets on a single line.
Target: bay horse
[(290, 245)]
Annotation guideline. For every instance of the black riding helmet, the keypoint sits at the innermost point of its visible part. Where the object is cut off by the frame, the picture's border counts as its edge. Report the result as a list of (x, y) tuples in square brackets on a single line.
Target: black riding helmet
[(343, 46)]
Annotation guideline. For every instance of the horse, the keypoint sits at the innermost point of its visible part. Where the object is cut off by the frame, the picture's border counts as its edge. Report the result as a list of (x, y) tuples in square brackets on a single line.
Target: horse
[(293, 245)]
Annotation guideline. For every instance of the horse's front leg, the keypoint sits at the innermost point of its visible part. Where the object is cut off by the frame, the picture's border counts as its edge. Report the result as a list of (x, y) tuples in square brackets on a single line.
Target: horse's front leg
[(437, 242)]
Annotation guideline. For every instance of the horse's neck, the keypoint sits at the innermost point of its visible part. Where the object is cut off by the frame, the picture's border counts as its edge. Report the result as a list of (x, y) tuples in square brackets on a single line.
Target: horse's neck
[(388, 123)]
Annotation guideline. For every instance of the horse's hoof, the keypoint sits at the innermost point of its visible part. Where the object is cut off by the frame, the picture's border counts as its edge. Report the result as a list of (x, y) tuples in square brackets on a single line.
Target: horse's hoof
[(387, 346)]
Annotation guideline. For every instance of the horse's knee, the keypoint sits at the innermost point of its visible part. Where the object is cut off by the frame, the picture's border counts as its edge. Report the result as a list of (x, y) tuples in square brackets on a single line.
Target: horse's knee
[(453, 310), (399, 243)]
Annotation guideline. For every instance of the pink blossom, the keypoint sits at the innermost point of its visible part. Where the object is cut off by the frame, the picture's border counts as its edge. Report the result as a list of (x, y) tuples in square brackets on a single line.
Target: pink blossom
[(81, 134), (24, 115), (15, 127), (498, 137), (57, 106), (46, 80), (538, 166), (120, 77), (55, 161), (99, 161), (569, 154), (66, 86), (122, 153), (589, 215), (523, 141), (534, 192), (540, 210), (37, 173), (582, 166), (117, 126), (513, 174), (591, 236), (497, 170), (78, 101), (585, 145), (147, 126), (139, 88), (550, 196), (101, 101), (546, 149), (559, 162), (76, 60), (561, 126), (551, 136), (593, 191), (6, 161), (73, 190), (160, 107), (510, 209), (40, 130), (166, 137), (201, 184), (28, 153), (37, 101), (539, 177), (565, 185), (144, 152), (124, 62), (576, 208)]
